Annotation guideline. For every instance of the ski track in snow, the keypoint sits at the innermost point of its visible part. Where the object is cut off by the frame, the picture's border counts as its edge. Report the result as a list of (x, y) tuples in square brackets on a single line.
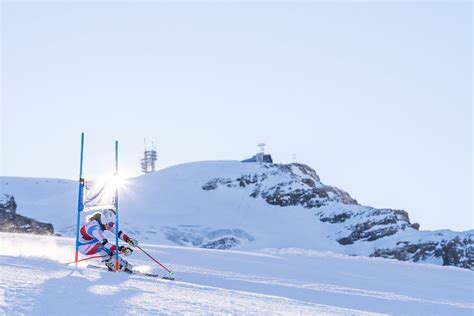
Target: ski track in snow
[(316, 286), (85, 291), (224, 282)]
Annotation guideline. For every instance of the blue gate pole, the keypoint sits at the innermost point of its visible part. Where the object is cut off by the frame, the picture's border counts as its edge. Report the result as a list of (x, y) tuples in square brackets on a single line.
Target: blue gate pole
[(79, 202), (116, 208)]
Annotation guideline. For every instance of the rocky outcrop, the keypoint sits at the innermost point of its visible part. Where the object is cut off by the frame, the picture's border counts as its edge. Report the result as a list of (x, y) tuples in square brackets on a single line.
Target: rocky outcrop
[(353, 225), (223, 243), (366, 223), (206, 237), (456, 251), (241, 181), (299, 185), (12, 222), (7, 204)]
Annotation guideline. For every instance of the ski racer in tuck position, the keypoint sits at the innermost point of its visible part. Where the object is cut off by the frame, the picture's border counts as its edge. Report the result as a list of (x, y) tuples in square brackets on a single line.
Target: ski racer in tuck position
[(92, 240)]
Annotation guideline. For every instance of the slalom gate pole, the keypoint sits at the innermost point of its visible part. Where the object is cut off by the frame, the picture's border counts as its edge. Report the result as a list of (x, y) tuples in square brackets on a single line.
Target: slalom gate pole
[(169, 271), (116, 209), (79, 199)]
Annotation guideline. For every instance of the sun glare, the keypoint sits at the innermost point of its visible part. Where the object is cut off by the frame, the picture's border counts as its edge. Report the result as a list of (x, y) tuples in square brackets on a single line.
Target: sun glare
[(112, 182), (116, 181)]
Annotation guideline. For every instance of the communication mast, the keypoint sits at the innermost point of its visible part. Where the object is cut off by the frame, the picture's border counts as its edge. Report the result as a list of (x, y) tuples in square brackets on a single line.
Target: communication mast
[(260, 157), (149, 158), (261, 154)]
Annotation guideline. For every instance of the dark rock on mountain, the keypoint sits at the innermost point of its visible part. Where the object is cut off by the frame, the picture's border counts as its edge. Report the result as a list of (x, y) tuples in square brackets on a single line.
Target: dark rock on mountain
[(367, 224), (223, 243), (336, 218), (299, 185), (457, 251), (302, 187), (7, 204), (12, 222), (206, 237)]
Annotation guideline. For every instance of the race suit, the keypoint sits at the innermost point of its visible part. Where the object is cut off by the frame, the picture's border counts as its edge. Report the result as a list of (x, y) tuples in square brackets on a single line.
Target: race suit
[(92, 239)]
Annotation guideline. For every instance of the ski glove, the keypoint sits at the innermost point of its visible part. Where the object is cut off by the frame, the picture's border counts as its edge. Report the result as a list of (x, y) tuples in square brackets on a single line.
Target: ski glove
[(125, 250), (132, 242)]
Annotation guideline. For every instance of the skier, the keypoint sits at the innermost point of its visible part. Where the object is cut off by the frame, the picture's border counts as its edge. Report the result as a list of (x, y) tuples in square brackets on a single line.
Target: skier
[(92, 240)]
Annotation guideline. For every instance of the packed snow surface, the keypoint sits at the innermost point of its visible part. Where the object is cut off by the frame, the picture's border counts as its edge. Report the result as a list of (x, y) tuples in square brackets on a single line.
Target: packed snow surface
[(35, 280)]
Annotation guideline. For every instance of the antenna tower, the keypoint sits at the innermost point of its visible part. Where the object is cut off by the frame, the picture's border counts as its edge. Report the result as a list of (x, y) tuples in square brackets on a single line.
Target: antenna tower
[(261, 153), (149, 158)]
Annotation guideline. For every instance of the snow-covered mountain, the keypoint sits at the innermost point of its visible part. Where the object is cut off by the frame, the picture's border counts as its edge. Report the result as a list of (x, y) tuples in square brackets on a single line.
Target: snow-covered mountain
[(249, 206)]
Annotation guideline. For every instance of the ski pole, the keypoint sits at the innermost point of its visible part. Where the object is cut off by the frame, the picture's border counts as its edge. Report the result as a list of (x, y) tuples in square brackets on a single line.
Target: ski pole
[(87, 259), (169, 271)]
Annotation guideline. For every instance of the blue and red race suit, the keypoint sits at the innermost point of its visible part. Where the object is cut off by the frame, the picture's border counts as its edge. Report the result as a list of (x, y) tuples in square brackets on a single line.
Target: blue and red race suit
[(92, 239)]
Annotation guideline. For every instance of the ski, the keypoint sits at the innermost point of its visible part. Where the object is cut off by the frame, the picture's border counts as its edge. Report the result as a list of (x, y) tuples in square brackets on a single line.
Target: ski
[(146, 274)]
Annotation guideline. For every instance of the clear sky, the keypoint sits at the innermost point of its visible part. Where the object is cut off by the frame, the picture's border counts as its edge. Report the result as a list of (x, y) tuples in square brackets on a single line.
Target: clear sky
[(376, 97)]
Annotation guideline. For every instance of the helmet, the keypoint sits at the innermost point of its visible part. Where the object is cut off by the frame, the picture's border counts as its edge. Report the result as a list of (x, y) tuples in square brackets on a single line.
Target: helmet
[(107, 218)]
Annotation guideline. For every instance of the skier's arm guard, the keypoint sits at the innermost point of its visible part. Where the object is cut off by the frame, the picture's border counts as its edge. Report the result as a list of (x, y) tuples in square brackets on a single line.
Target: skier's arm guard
[(130, 241)]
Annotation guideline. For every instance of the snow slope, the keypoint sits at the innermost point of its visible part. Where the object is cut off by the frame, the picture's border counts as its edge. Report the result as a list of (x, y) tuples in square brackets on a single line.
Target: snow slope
[(249, 206), (170, 205), (35, 280)]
